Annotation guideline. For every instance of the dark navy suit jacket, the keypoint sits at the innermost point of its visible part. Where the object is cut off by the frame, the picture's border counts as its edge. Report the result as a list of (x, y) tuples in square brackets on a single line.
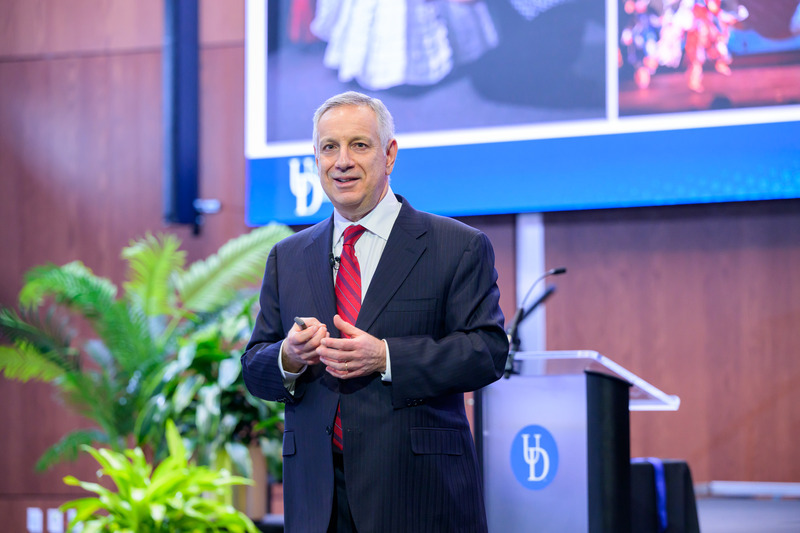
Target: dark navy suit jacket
[(410, 461)]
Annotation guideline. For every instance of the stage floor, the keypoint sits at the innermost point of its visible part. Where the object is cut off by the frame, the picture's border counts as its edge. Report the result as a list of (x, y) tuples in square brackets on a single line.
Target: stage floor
[(748, 515), (745, 87), (717, 515)]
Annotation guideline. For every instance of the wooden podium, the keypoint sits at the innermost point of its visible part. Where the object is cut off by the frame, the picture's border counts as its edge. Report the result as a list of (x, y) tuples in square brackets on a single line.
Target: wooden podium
[(554, 442)]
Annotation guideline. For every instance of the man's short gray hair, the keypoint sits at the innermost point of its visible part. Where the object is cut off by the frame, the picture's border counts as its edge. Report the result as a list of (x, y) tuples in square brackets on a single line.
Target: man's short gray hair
[(385, 120)]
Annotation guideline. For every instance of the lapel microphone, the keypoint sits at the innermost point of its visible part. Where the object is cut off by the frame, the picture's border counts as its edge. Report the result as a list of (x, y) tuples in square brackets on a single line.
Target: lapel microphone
[(333, 260)]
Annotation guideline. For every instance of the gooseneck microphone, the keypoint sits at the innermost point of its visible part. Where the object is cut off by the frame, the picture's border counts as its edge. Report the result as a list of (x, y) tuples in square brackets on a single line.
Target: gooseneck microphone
[(522, 313)]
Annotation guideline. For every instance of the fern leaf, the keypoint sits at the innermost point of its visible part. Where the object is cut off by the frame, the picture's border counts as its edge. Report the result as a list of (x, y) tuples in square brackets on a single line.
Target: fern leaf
[(152, 261), (209, 283), (69, 446), (24, 363)]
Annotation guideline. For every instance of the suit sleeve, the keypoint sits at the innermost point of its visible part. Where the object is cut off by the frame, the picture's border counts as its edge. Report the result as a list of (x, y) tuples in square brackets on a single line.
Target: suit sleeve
[(260, 369), (473, 351)]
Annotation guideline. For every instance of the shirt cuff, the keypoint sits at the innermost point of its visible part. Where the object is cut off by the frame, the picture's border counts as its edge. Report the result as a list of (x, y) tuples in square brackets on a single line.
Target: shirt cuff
[(386, 376)]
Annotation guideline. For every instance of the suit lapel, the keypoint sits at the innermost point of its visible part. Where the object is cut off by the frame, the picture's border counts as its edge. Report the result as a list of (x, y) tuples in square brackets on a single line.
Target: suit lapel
[(318, 271), (403, 249)]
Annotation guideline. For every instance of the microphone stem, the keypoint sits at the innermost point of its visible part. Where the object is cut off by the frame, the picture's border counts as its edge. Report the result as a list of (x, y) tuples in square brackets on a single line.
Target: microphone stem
[(513, 336)]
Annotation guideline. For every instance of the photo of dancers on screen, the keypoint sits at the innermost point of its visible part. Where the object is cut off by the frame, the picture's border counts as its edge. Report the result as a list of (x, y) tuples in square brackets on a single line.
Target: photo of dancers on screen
[(682, 55)]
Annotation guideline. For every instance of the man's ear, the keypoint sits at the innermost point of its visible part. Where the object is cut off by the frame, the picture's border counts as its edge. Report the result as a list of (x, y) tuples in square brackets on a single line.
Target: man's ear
[(391, 155)]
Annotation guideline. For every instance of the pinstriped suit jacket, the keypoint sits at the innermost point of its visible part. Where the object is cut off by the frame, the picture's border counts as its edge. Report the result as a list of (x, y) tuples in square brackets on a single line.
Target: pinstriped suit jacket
[(410, 462)]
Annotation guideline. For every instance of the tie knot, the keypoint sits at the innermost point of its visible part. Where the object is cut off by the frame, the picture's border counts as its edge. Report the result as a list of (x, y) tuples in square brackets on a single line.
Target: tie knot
[(352, 234)]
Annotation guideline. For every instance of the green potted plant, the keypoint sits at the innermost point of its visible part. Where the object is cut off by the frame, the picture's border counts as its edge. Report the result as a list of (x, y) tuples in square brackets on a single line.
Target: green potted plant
[(203, 391), (106, 373), (172, 497)]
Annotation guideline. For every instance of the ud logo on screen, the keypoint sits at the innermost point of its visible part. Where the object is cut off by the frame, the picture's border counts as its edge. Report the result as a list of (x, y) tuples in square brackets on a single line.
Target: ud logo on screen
[(305, 186), (534, 457)]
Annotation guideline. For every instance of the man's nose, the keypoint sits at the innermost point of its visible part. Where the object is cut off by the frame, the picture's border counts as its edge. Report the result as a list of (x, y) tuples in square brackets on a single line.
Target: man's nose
[(344, 160)]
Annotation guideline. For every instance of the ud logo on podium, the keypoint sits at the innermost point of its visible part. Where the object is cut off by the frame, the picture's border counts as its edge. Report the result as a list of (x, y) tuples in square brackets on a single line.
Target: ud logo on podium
[(534, 457)]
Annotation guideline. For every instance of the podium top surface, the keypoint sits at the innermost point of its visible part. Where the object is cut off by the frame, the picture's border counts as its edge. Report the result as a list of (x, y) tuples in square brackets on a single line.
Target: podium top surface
[(643, 395)]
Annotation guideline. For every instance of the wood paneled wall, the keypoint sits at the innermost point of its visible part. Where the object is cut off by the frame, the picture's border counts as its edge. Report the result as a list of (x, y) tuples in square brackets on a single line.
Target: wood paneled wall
[(81, 156), (703, 302), (81, 160)]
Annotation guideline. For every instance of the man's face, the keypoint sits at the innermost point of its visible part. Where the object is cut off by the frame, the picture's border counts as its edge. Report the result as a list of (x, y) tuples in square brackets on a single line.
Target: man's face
[(354, 167)]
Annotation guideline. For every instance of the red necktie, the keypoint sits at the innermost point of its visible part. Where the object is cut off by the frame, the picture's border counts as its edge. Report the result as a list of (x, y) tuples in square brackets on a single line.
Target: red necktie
[(348, 300)]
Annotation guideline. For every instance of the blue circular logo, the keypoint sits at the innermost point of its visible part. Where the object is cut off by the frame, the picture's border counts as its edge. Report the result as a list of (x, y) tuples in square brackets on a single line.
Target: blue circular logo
[(534, 457)]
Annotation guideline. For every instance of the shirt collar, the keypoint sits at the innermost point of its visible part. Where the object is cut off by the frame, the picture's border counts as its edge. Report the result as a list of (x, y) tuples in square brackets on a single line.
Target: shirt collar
[(379, 221)]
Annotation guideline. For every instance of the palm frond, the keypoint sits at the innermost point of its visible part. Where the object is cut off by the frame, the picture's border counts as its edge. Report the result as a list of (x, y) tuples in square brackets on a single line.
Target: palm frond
[(121, 324), (24, 363), (69, 446), (125, 331), (72, 285), (97, 397), (152, 261), (49, 337), (100, 354), (209, 283)]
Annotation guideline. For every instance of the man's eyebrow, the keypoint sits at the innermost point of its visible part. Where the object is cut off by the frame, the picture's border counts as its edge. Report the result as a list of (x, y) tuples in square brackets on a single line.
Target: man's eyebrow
[(356, 138)]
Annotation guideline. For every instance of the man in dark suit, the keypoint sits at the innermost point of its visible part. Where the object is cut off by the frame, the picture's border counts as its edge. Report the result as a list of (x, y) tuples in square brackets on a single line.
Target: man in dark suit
[(376, 437)]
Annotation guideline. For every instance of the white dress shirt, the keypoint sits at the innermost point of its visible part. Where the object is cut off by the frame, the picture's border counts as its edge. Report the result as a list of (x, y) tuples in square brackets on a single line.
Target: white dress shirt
[(369, 248)]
